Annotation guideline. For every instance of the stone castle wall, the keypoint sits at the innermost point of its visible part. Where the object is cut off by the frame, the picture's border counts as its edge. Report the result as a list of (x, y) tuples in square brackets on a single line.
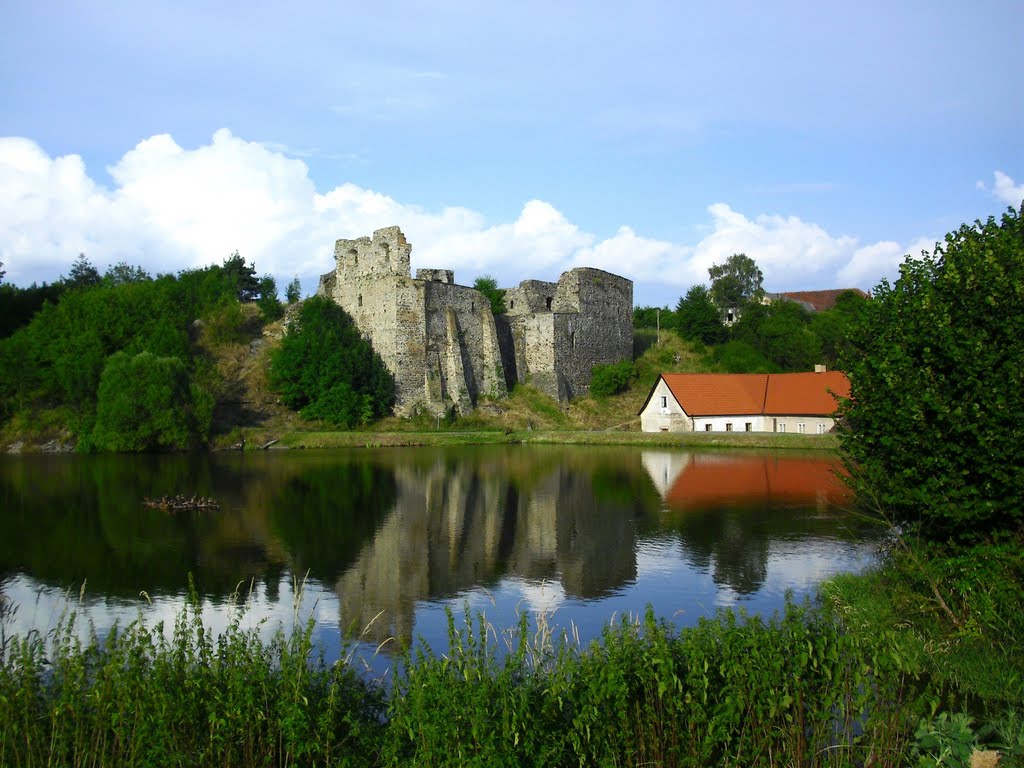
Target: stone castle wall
[(446, 348)]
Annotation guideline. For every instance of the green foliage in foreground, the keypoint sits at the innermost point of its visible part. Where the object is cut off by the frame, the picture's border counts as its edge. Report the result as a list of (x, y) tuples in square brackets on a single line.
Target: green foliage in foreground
[(936, 367), (796, 690), (326, 369)]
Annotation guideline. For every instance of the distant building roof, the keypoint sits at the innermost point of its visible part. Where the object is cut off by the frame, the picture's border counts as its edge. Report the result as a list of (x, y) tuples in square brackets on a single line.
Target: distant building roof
[(768, 394), (818, 301)]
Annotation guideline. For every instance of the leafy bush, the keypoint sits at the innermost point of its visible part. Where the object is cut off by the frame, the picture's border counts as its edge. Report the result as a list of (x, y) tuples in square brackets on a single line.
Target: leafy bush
[(611, 379), (145, 403), (328, 371), (936, 367)]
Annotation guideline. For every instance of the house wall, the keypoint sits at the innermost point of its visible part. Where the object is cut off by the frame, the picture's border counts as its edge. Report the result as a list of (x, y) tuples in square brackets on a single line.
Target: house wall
[(791, 424), (735, 423), (670, 418)]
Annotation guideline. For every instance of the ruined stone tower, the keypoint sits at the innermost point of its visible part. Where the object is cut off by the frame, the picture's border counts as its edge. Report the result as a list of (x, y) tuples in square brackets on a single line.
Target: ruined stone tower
[(444, 346)]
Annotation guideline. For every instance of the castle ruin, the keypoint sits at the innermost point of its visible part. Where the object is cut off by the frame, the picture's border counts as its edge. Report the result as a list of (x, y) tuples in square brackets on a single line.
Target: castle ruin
[(446, 348)]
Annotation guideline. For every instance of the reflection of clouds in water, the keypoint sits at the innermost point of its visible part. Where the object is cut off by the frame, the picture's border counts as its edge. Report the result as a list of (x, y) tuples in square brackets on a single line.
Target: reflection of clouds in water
[(659, 556), (802, 565), (542, 597), (42, 607)]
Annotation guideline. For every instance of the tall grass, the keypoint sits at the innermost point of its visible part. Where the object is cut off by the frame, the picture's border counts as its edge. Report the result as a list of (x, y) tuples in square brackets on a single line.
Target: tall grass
[(734, 690), (139, 698)]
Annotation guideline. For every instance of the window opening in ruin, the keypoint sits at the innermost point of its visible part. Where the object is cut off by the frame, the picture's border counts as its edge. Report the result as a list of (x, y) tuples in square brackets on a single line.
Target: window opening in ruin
[(360, 299), (572, 339), (511, 304), (355, 256), (549, 302), (472, 306)]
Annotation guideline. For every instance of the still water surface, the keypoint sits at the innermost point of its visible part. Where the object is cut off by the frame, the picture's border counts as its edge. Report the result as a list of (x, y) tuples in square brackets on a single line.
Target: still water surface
[(388, 538)]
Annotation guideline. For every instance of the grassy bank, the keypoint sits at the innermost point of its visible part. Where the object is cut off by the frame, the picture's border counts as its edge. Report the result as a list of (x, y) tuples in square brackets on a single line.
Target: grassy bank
[(795, 690), (442, 437), (955, 614)]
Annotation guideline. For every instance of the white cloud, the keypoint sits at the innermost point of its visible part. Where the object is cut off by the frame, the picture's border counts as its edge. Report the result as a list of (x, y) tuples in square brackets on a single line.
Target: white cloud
[(1005, 189), (172, 208)]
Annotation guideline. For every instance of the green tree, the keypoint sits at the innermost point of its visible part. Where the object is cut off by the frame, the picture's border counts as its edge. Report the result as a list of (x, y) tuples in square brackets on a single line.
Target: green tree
[(270, 306), (123, 272), (736, 282), (83, 274), (698, 319), (488, 286), (242, 276), (294, 291), (936, 364), (145, 404), (327, 370), (781, 332), (653, 317), (832, 327)]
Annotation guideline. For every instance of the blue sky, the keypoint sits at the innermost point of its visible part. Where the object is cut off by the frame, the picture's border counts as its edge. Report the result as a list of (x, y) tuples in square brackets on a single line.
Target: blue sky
[(652, 139)]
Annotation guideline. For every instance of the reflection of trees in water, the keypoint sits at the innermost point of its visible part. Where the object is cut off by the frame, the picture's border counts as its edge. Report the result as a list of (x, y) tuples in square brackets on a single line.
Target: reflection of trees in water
[(461, 524), (728, 508), (726, 541), (325, 515)]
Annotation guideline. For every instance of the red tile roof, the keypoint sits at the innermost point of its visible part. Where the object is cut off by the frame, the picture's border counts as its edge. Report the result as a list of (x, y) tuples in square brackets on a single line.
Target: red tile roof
[(820, 301), (771, 394)]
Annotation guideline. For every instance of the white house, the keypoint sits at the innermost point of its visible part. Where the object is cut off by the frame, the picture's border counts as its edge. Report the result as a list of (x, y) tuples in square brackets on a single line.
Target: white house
[(744, 402)]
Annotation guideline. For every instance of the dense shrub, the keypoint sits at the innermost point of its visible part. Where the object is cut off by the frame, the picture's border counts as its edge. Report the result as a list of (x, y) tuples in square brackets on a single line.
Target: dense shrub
[(145, 404), (328, 371), (936, 367), (611, 379)]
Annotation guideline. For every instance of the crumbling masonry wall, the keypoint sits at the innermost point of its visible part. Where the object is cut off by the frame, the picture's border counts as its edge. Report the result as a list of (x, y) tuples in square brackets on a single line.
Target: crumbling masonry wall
[(445, 347)]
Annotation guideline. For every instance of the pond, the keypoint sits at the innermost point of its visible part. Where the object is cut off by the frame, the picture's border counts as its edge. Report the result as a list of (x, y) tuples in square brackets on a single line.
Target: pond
[(374, 545)]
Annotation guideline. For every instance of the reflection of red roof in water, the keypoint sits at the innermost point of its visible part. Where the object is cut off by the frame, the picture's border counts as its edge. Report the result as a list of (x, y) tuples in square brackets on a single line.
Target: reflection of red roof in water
[(717, 481)]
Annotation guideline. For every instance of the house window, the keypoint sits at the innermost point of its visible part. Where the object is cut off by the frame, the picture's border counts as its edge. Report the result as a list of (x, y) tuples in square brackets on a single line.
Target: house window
[(782, 427), (728, 426), (801, 427), (664, 429), (664, 401), (707, 427), (748, 427), (821, 429)]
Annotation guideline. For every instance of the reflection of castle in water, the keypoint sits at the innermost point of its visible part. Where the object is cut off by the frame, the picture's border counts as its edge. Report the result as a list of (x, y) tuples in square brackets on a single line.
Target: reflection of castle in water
[(455, 526)]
